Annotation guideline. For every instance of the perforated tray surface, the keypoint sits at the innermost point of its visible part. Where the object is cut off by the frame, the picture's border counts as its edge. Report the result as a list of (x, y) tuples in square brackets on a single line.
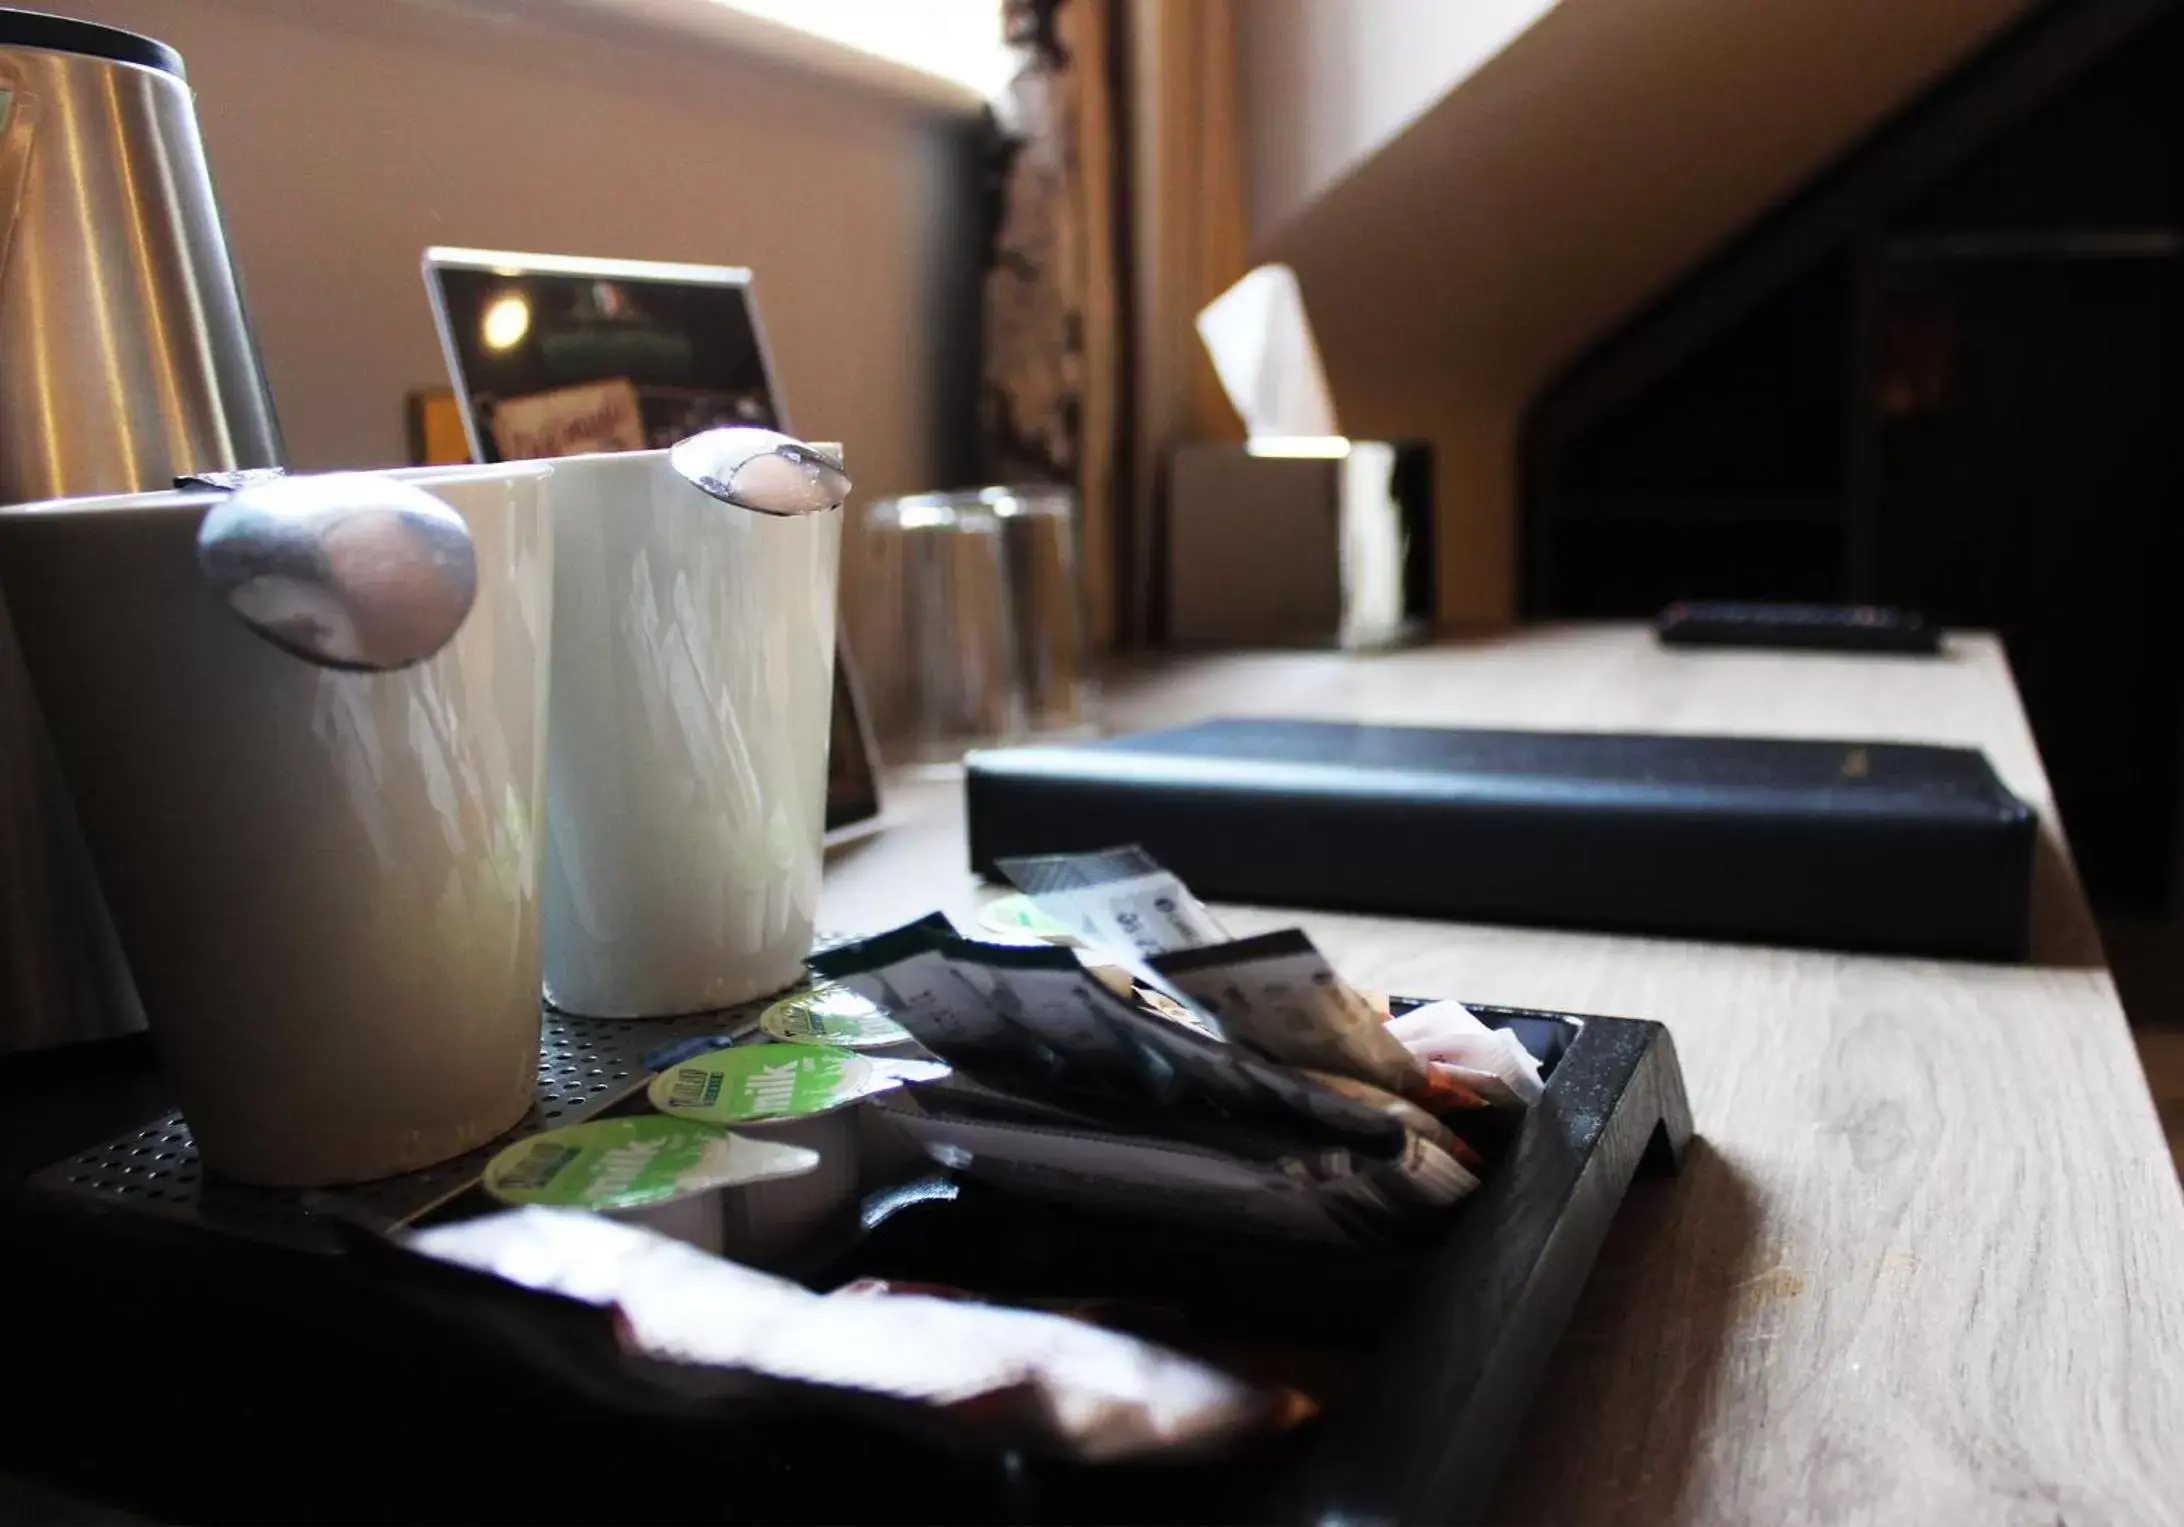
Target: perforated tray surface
[(585, 1065)]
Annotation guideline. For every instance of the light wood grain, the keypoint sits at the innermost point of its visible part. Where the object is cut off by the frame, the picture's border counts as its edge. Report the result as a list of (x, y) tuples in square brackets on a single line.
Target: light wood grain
[(1927, 1264)]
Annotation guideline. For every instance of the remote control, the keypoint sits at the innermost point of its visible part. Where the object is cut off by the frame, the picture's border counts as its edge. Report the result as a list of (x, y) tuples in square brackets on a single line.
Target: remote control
[(1821, 627)]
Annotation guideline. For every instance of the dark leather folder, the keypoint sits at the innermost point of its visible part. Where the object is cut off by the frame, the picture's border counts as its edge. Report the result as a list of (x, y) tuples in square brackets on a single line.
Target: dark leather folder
[(1851, 845)]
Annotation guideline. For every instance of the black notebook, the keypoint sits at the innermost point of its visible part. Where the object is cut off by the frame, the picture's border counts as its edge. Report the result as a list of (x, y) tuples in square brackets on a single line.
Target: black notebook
[(1852, 845)]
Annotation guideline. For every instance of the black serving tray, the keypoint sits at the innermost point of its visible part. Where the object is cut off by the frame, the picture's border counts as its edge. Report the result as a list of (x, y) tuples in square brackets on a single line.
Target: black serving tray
[(183, 1371)]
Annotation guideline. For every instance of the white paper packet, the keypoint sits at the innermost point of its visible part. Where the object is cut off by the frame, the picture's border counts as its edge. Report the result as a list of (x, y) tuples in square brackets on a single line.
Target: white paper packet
[(1493, 1062), (1094, 1394), (1117, 899)]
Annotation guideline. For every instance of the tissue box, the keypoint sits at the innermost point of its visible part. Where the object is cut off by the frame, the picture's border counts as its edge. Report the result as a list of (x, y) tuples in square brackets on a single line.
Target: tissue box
[(1309, 541)]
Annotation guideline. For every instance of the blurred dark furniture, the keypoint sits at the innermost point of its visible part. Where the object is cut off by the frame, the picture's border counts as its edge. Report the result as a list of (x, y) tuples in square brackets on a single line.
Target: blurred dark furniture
[(1946, 374)]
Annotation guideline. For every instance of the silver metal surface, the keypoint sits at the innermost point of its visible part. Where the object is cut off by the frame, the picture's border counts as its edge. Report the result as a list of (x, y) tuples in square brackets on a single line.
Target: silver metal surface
[(947, 671), (1046, 606), (126, 359), (585, 1065), (761, 470), (351, 570), (125, 354)]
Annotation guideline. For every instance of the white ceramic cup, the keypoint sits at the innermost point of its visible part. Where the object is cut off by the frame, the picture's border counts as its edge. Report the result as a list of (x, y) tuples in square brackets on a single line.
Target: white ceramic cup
[(325, 882), (692, 694)]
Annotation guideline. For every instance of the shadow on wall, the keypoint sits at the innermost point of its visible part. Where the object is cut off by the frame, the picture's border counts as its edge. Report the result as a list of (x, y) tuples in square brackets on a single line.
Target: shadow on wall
[(1604, 149)]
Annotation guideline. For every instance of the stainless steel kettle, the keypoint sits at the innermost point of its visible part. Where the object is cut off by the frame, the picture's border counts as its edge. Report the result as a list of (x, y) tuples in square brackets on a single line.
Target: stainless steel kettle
[(126, 360)]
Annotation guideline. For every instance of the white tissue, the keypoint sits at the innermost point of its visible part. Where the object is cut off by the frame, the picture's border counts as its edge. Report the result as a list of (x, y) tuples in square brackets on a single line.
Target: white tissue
[(1262, 348), (1493, 1062)]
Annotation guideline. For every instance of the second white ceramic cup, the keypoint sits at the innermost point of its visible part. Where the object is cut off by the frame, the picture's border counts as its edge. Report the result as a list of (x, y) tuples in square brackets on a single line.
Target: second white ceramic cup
[(692, 692)]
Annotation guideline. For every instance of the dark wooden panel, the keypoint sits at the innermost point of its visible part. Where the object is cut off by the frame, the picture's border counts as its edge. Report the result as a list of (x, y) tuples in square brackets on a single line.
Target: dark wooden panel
[(2028, 481)]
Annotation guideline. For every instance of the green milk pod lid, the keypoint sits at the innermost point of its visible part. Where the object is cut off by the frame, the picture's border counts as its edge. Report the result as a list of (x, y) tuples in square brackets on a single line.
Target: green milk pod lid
[(753, 1083), (829, 1013), (635, 1161)]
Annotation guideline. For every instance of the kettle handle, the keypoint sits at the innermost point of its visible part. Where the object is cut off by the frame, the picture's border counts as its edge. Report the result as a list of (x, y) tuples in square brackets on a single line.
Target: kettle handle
[(18, 132)]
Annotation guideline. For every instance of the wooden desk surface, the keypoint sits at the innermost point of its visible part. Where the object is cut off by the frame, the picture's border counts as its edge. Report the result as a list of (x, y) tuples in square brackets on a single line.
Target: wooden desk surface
[(1926, 1263)]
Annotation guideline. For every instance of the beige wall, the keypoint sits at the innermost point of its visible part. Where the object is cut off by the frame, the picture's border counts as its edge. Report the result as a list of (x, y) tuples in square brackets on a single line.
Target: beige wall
[(1461, 260), (345, 135)]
